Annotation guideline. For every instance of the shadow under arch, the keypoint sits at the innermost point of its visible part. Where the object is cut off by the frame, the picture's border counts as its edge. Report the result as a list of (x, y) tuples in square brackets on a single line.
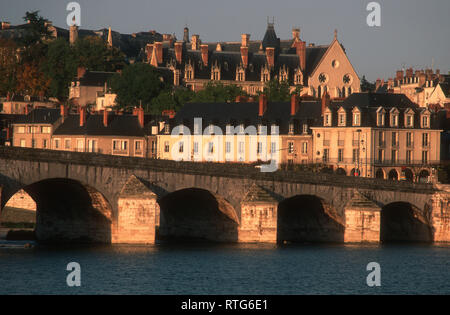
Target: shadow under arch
[(308, 218), (68, 211), (197, 214), (404, 222)]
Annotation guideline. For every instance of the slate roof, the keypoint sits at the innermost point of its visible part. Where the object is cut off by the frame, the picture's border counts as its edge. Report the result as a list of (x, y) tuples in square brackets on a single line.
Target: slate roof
[(118, 125), (39, 116), (234, 114)]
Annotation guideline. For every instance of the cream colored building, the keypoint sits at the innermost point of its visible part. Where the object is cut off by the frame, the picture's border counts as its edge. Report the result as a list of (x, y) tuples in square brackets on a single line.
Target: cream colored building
[(378, 135)]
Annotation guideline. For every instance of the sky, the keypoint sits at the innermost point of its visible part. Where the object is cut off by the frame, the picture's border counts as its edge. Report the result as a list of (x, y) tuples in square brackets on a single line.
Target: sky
[(413, 33)]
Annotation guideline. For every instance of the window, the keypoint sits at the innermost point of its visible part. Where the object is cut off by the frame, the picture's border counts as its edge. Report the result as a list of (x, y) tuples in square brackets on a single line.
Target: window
[(424, 157), (381, 141), (341, 119), (33, 143), (327, 119), (22, 143), (394, 120), (305, 128), (210, 147), (120, 145), (380, 155), (408, 157), (291, 128), (181, 147), (228, 147), (380, 118), (425, 140), (326, 155), (355, 156), (67, 144), (44, 144), (56, 143), (273, 147), (340, 155), (290, 147), (259, 148), (394, 156), (409, 139), (304, 147), (409, 119), (92, 145), (356, 119), (241, 147), (395, 139), (21, 129), (137, 146), (166, 147), (425, 121), (195, 147)]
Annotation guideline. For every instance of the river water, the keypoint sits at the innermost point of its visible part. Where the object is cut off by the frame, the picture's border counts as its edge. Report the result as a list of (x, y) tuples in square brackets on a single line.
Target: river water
[(226, 269)]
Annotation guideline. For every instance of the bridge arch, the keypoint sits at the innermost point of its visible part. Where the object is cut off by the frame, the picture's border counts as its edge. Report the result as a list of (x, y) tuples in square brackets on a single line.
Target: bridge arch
[(404, 222), (194, 213), (308, 218), (68, 211)]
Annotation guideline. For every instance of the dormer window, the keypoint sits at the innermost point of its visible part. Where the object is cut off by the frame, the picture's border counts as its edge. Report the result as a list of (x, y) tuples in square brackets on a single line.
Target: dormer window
[(215, 73), (305, 128), (260, 129), (298, 78), (274, 129), (240, 74), (291, 128), (381, 113), (189, 72), (356, 117), (342, 117), (409, 118), (327, 118), (394, 117), (265, 75), (425, 120), (283, 75)]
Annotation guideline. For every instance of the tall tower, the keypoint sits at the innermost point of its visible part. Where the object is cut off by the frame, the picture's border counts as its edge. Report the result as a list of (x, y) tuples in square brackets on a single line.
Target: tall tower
[(110, 42), (73, 34), (186, 35)]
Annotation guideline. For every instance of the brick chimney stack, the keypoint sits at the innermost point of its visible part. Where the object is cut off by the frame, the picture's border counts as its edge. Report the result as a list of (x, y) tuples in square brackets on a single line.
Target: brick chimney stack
[(409, 73), (195, 40), (159, 52), (262, 104), (63, 112), (245, 39), (270, 55), (204, 50), (296, 34), (244, 56), (105, 118), (82, 116), (325, 101), (179, 51), (139, 112), (399, 75), (300, 48), (80, 72), (295, 104)]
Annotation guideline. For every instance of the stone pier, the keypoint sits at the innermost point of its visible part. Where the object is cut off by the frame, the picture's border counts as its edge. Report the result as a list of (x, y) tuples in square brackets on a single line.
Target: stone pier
[(138, 210), (362, 220)]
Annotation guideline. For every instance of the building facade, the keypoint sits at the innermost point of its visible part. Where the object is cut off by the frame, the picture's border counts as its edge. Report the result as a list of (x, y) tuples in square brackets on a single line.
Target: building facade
[(251, 64)]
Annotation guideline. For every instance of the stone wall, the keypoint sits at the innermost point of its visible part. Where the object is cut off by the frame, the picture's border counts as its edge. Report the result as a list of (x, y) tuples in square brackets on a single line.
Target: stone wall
[(258, 222), (21, 200)]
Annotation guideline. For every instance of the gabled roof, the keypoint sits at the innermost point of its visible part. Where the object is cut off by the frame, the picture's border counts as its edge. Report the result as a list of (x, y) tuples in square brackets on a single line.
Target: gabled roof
[(118, 125), (40, 116)]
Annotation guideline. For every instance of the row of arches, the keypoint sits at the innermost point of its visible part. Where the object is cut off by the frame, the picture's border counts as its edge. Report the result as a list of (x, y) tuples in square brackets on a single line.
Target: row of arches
[(70, 211), (405, 174)]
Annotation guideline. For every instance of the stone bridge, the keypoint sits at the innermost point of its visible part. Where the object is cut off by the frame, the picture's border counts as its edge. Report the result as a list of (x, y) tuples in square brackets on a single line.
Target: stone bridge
[(97, 198)]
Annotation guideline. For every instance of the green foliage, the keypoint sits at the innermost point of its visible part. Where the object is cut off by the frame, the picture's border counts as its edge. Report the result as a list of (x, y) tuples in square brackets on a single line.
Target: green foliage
[(169, 99), (137, 84), (366, 86), (60, 66), (92, 53), (277, 91), (37, 32), (8, 66), (216, 92)]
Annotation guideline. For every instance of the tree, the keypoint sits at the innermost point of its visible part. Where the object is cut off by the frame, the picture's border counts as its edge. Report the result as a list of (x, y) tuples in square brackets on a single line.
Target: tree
[(31, 81), (171, 99), (277, 91), (8, 66), (92, 53), (59, 67), (138, 84), (216, 92), (366, 86)]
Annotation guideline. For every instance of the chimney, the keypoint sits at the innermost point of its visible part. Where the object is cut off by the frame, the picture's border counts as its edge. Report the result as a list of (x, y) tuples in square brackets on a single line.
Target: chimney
[(296, 34), (80, 72), (300, 48), (105, 118), (422, 78), (63, 112), (390, 83), (399, 75), (245, 39), (244, 56), (27, 109), (159, 52), (262, 104), (325, 101), (149, 52), (270, 55), (195, 42), (186, 35), (295, 104), (8, 133), (140, 116), (378, 84), (204, 49), (82, 116), (179, 51), (409, 73)]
